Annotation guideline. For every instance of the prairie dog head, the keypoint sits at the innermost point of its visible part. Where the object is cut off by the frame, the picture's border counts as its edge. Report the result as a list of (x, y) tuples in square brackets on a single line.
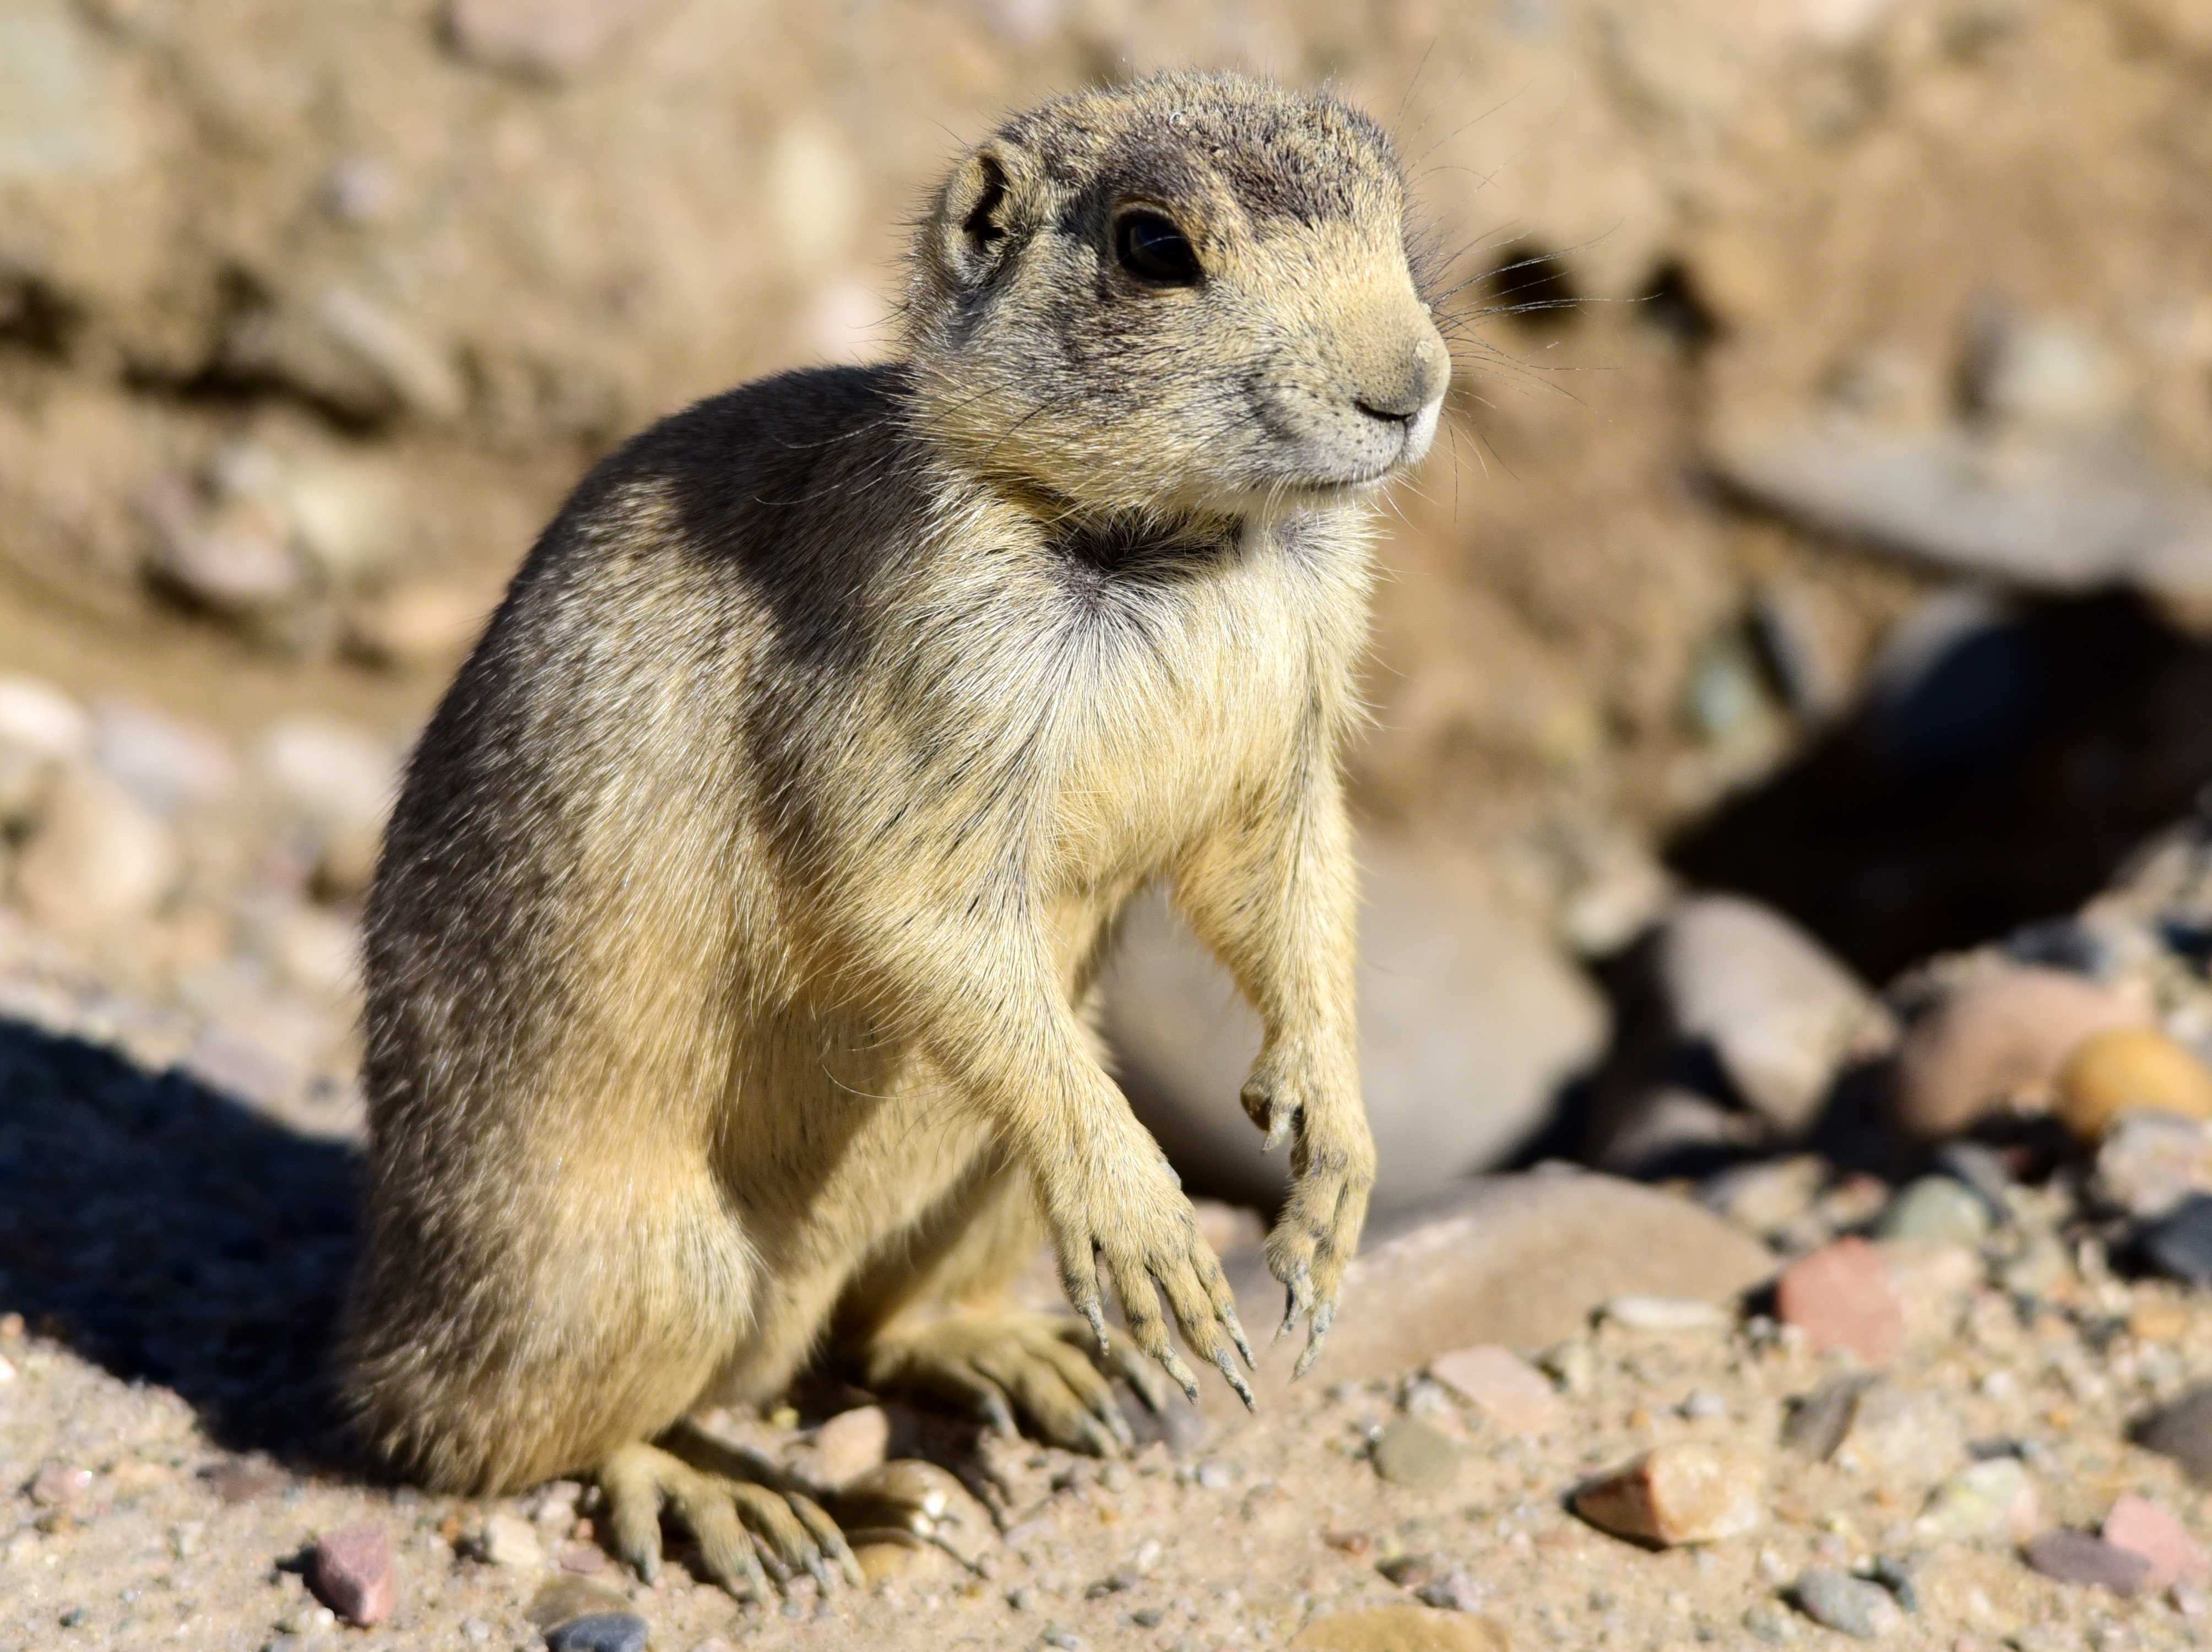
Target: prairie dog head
[(1190, 294)]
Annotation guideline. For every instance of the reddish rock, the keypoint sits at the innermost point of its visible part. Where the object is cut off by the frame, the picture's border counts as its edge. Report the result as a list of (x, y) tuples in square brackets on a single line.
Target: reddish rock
[(1843, 1296), (355, 1573), (2141, 1528), (2073, 1556)]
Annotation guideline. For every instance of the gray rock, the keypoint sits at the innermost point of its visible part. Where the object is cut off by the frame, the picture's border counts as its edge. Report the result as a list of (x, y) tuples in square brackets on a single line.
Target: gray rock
[(235, 560), (1778, 1011), (1522, 1260), (1411, 1453), (351, 353), (1849, 1605), (2150, 1163), (2072, 1556), (1937, 1210), (600, 1631), (2179, 1244), (2043, 513), (1469, 1021)]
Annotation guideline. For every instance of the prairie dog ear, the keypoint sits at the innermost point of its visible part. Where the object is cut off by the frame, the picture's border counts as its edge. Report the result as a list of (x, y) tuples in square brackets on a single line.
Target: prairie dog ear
[(984, 212)]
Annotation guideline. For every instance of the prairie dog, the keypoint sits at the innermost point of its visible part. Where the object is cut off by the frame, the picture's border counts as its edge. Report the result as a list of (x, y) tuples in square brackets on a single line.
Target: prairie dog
[(728, 959)]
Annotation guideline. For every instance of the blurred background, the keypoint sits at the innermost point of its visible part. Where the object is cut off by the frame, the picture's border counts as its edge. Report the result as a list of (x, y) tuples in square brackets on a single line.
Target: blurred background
[(1824, 518)]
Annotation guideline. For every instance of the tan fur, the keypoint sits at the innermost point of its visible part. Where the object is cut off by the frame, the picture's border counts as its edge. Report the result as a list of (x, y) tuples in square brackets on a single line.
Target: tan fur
[(727, 960)]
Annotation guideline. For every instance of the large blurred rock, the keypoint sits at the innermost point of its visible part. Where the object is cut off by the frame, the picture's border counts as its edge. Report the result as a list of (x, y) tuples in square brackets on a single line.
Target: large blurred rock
[(2040, 514), (1778, 1011), (1469, 1020)]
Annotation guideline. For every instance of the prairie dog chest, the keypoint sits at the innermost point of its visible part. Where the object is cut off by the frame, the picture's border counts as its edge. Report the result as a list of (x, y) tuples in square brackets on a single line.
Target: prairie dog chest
[(1200, 688)]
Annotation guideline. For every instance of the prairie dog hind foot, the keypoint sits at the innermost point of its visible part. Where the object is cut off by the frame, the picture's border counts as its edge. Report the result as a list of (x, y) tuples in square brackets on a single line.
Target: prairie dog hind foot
[(1042, 1368), (740, 1510)]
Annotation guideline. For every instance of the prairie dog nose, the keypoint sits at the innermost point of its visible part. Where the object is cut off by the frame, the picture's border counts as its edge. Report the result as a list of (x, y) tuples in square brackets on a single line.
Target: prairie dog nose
[(1403, 382)]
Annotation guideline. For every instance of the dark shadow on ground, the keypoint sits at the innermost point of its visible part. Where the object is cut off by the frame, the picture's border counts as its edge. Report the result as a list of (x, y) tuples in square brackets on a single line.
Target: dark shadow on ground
[(175, 1237), (2000, 777)]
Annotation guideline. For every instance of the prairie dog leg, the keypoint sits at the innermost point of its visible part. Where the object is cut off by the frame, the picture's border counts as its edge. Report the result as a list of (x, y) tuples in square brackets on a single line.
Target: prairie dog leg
[(1276, 899), (742, 1511), (1002, 1030)]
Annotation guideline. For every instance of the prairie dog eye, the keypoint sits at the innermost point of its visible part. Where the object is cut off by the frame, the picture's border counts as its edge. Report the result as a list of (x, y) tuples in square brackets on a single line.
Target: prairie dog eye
[(1148, 247)]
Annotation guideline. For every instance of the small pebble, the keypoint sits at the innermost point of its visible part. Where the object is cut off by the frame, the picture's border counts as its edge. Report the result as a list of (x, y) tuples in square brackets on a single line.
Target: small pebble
[(1675, 1494), (2072, 1556), (1935, 1210), (1218, 1475), (1817, 1424), (243, 1480), (2125, 1067), (2180, 1245), (1667, 1314), (1504, 1387), (1062, 1639), (354, 1572), (1770, 1624), (583, 1560), (1702, 1405), (1849, 1605), (2150, 1163), (1843, 1296), (1985, 1498), (1416, 1455), (600, 1631), (60, 1485), (1981, 1169), (851, 1443), (507, 1540)]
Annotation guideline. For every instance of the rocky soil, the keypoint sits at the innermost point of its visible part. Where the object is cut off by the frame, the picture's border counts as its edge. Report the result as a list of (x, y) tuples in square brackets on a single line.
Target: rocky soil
[(1784, 806), (1902, 1344)]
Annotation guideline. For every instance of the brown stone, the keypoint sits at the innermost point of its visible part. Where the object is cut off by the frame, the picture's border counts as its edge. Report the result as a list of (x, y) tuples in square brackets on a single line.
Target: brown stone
[(1998, 1039), (1843, 1295), (2125, 1067), (1402, 1628), (1673, 1495)]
